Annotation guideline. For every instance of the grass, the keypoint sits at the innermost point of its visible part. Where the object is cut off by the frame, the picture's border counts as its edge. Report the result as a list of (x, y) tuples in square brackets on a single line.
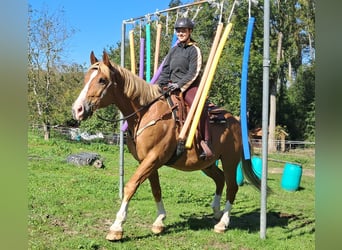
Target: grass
[(72, 207)]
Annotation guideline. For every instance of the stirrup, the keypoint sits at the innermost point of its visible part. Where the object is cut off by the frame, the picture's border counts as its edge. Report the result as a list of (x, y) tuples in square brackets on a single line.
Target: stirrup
[(206, 154)]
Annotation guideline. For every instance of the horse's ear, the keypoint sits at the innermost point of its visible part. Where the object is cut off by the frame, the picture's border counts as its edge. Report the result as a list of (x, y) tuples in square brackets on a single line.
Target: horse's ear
[(106, 61), (93, 59), (105, 58)]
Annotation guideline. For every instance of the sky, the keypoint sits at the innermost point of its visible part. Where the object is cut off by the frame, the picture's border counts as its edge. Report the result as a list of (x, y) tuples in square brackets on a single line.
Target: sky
[(97, 23)]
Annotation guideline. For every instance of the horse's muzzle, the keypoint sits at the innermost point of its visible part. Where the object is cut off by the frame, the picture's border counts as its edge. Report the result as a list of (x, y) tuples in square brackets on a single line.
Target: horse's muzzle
[(81, 111)]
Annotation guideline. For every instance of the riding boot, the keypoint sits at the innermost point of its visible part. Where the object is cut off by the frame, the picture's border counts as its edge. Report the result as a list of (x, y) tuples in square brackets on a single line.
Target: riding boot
[(204, 128)]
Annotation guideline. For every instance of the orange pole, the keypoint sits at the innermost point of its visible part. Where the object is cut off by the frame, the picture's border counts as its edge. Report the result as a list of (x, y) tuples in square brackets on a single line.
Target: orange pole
[(132, 54), (193, 107), (156, 53)]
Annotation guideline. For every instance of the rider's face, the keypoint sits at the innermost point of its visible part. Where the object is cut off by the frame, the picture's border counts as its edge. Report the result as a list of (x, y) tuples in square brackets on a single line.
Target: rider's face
[(183, 34)]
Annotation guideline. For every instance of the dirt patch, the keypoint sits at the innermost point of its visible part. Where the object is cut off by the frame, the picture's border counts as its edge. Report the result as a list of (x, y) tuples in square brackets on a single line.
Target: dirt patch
[(306, 172)]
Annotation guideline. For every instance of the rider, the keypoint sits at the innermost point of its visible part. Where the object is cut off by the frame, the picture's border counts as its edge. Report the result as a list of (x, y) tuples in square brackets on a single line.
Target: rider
[(182, 71)]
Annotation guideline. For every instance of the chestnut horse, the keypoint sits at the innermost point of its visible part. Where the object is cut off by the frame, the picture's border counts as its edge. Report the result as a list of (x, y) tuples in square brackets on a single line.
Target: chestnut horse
[(152, 140)]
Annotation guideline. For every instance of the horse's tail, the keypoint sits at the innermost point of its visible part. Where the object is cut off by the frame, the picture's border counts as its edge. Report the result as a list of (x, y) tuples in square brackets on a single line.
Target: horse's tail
[(251, 176)]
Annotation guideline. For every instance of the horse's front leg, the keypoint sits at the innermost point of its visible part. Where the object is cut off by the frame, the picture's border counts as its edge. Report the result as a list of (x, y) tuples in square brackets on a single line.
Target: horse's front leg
[(158, 225), (141, 174)]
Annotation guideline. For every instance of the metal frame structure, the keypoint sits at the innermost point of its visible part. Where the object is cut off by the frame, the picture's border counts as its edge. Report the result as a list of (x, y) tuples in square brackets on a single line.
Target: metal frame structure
[(265, 111)]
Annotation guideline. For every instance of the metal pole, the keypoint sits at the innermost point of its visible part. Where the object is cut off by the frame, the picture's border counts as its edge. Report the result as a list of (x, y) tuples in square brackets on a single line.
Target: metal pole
[(123, 32), (166, 10), (265, 101), (121, 158)]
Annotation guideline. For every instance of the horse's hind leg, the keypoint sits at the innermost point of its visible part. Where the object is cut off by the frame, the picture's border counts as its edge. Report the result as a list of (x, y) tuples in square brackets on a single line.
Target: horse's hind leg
[(229, 168), (217, 175), (158, 225)]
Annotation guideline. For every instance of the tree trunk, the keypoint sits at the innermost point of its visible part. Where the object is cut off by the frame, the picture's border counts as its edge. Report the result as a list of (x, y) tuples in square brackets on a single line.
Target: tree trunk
[(273, 102), (290, 73), (46, 128), (272, 122)]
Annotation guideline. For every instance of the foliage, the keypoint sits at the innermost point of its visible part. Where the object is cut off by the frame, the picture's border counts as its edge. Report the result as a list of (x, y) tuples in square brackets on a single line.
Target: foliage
[(46, 43), (301, 96), (292, 77), (310, 123)]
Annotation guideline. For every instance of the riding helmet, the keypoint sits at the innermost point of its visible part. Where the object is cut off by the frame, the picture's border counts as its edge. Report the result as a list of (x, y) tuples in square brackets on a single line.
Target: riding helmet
[(184, 22)]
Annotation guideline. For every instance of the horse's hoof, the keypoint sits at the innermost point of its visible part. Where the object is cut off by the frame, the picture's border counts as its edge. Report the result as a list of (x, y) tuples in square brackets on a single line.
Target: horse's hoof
[(114, 235), (219, 228), (157, 229)]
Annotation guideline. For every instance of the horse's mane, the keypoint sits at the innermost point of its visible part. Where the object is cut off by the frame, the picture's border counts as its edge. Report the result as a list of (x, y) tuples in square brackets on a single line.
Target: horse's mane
[(134, 86)]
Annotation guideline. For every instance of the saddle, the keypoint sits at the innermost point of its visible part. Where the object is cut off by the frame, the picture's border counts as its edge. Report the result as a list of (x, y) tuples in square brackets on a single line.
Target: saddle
[(216, 114), (180, 110)]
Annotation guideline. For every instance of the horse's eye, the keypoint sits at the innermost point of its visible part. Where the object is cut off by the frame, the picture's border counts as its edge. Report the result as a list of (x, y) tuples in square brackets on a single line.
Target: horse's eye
[(102, 80)]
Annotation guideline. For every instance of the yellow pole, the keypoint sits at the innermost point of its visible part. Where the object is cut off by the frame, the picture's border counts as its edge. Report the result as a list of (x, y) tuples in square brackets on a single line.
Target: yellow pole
[(207, 86), (193, 107), (132, 54), (156, 53)]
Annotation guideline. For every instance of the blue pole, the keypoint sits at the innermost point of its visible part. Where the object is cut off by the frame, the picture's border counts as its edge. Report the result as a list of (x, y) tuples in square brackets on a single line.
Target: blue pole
[(243, 100)]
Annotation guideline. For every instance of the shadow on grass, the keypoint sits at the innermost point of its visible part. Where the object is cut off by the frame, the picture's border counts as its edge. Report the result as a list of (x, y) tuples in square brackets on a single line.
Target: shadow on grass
[(251, 221), (248, 221)]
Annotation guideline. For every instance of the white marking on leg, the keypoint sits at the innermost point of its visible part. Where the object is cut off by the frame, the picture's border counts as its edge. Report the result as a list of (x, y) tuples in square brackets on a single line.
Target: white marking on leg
[(226, 214), (161, 215), (216, 206), (224, 222), (120, 217), (160, 208)]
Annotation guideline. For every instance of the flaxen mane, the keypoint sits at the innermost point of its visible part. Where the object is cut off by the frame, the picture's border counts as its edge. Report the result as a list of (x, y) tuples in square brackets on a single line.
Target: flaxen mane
[(134, 86)]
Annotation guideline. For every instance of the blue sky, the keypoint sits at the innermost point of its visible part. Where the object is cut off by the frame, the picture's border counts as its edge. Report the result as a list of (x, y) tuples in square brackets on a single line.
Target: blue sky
[(98, 23)]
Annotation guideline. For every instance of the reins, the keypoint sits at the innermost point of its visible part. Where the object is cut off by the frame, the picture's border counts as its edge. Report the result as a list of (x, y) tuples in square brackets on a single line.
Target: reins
[(134, 113)]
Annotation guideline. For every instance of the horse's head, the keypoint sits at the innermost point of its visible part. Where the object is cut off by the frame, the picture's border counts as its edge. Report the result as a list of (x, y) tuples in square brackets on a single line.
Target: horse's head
[(97, 89)]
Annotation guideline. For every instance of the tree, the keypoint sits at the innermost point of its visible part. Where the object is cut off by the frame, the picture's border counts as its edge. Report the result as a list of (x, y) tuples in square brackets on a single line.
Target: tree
[(292, 30), (302, 98), (47, 37), (291, 45)]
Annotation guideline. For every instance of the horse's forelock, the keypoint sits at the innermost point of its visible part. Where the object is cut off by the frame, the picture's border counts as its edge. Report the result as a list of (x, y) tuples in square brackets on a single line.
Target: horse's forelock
[(94, 66)]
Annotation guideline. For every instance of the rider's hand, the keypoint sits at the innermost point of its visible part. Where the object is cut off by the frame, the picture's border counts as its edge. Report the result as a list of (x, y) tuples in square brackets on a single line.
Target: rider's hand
[(172, 86)]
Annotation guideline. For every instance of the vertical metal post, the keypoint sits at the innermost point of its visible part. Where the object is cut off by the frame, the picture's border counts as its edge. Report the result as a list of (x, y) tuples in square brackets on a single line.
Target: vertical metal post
[(121, 158), (265, 101)]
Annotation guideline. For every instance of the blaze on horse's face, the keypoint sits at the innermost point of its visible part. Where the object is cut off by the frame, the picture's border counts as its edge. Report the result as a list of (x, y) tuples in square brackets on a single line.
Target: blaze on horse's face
[(96, 89)]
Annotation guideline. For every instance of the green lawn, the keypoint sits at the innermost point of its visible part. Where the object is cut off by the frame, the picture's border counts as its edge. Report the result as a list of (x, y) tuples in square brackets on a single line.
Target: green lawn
[(72, 207)]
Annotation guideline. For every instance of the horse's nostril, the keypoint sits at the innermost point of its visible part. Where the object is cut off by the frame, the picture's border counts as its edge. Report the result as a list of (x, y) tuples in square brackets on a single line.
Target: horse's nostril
[(77, 111)]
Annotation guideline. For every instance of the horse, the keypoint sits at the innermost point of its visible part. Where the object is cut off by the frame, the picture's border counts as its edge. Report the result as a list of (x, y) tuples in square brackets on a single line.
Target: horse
[(152, 139)]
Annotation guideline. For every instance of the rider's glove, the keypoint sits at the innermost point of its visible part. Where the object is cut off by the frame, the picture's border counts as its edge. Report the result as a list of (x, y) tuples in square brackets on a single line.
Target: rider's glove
[(172, 86)]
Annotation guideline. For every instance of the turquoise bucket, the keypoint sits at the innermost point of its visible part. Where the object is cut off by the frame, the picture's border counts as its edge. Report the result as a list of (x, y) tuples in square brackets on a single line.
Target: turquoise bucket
[(257, 166), (291, 177), (239, 175)]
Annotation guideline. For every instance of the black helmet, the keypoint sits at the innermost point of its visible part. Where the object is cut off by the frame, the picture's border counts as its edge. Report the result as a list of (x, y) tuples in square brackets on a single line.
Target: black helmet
[(184, 22)]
